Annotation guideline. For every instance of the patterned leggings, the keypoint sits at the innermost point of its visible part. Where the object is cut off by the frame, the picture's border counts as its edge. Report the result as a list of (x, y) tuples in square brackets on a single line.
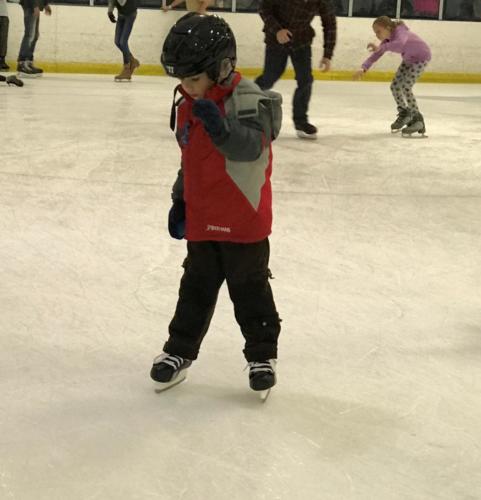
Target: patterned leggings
[(403, 82)]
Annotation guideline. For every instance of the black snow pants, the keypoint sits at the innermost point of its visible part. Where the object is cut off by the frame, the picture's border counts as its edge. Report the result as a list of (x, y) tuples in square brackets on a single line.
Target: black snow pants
[(244, 266)]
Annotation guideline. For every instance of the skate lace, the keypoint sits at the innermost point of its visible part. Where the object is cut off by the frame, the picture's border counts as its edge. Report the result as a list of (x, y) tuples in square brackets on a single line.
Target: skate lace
[(261, 366), (169, 359)]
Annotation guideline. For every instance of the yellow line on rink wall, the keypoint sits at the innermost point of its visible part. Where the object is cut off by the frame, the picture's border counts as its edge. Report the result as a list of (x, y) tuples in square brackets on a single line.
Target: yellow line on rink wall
[(157, 70), (379, 76)]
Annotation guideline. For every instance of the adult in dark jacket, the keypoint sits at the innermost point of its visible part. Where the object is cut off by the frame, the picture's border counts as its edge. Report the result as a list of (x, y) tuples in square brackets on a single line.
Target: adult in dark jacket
[(288, 33), (31, 19)]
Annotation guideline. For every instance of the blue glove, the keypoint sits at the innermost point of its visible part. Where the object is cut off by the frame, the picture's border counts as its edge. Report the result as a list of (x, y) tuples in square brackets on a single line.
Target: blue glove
[(177, 220), (112, 17), (208, 112)]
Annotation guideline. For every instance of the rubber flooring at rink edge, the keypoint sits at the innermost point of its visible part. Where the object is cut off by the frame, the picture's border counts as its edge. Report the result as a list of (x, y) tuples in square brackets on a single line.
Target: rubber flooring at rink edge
[(376, 254)]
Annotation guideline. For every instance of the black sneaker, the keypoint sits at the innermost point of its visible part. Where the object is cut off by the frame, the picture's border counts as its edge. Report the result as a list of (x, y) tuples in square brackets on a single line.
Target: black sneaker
[(168, 367), (4, 66), (262, 374), (306, 131)]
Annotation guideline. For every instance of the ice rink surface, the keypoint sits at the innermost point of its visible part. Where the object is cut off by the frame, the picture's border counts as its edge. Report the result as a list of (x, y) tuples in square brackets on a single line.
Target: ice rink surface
[(376, 253)]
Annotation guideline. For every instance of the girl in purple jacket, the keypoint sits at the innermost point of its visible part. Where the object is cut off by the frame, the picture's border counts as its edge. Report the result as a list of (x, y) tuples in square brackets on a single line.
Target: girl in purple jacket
[(396, 37)]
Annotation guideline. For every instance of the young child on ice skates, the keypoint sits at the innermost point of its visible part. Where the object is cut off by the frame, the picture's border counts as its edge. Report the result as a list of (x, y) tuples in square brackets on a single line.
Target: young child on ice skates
[(222, 201), (396, 37), (127, 10)]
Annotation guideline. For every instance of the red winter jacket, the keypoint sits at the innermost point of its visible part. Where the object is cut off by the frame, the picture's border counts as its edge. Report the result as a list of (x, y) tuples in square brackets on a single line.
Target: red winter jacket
[(226, 187)]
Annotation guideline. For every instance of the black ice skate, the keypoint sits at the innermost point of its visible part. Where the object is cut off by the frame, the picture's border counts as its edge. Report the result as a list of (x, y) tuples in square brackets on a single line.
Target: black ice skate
[(37, 71), (262, 376), (306, 131), (403, 118), (415, 125), (13, 80), (169, 370), (25, 71), (3, 65)]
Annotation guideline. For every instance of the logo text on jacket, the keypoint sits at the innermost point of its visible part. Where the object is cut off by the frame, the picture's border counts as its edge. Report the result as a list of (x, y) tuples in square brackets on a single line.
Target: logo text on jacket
[(211, 227)]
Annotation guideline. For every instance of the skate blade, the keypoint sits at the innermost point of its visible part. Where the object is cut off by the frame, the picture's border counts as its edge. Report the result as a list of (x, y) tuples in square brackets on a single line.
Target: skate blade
[(412, 136), (263, 395), (164, 386), (122, 80), (303, 135), (395, 130), (27, 75)]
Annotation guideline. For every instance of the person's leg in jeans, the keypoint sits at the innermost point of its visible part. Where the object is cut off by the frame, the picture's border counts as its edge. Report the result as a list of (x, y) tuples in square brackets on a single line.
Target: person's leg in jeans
[(199, 288), (247, 276), (119, 27), (275, 62), (302, 61), (34, 39), (124, 41), (122, 34), (28, 36), (4, 22)]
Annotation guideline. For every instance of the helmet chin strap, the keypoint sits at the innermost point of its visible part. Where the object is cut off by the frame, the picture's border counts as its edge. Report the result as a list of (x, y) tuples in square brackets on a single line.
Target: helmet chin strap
[(173, 113), (226, 69)]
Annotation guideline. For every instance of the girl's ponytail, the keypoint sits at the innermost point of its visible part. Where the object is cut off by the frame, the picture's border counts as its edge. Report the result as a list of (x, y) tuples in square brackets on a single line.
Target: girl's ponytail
[(387, 22)]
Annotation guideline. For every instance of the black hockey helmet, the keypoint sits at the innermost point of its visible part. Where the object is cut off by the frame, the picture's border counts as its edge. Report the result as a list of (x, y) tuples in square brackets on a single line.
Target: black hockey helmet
[(198, 43)]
